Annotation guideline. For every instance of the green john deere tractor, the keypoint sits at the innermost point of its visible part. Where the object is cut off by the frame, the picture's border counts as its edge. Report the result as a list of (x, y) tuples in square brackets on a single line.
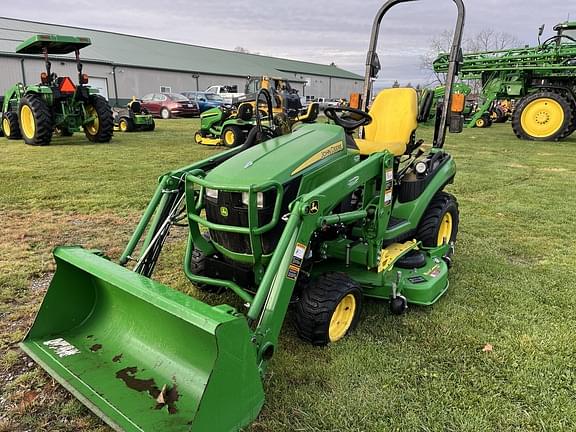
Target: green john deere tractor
[(58, 105), (315, 217)]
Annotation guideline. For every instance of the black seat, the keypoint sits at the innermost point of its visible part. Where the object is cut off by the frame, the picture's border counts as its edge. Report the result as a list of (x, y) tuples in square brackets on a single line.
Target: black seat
[(135, 107), (245, 111), (311, 113)]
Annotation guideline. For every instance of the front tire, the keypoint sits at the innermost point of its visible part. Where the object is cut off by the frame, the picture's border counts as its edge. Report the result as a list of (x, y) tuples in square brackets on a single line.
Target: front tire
[(100, 129), (484, 121), (63, 132), (542, 116), (328, 309), (126, 124), (198, 267), (10, 126), (439, 224), (35, 120)]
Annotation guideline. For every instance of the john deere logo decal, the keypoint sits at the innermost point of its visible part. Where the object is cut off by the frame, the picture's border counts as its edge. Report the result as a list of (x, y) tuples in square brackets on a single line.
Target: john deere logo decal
[(314, 207), (224, 211)]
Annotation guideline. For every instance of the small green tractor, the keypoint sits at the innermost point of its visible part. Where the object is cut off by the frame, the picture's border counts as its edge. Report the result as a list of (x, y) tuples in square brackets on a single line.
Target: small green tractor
[(541, 80), (315, 218), (133, 118), (56, 104), (230, 125)]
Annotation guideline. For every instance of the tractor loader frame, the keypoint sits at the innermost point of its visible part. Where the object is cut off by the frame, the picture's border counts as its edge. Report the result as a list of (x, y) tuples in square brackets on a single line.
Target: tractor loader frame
[(146, 357)]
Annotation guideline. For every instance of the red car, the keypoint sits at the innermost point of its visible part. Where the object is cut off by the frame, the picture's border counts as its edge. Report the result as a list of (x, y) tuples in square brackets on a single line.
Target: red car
[(167, 105)]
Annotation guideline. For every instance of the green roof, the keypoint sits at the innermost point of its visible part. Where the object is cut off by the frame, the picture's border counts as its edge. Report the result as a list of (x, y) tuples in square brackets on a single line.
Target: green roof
[(53, 43), (128, 50)]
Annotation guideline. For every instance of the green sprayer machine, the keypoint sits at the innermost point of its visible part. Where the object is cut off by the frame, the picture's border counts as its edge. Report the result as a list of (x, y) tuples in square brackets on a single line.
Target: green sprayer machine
[(56, 104), (541, 79), (315, 218)]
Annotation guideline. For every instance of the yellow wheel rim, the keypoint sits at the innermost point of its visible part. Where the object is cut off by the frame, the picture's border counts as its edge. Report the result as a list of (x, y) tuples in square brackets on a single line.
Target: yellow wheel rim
[(197, 138), (229, 137), (342, 318), (445, 230), (480, 123), (27, 121), (542, 118), (123, 125), (93, 127), (6, 127)]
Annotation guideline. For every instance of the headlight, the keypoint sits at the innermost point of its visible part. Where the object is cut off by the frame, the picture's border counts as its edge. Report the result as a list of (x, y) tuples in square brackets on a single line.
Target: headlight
[(259, 199), (421, 167), (212, 193)]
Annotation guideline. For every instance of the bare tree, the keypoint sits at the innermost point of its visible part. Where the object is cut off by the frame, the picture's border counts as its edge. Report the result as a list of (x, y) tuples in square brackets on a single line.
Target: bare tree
[(438, 44), (491, 40)]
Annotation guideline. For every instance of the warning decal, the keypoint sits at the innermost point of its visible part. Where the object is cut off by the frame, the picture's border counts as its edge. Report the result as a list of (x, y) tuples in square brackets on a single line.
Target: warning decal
[(297, 259), (61, 347)]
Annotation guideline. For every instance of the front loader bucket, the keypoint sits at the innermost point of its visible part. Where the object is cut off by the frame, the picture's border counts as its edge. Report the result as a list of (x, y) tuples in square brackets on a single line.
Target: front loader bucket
[(142, 356)]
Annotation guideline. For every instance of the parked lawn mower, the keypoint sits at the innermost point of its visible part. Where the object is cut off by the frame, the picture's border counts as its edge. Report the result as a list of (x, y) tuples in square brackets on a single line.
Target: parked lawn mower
[(314, 217), (133, 118), (229, 125), (35, 112)]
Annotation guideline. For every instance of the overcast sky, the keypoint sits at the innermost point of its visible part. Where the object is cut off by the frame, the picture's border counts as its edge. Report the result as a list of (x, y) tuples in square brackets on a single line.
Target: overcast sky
[(321, 31)]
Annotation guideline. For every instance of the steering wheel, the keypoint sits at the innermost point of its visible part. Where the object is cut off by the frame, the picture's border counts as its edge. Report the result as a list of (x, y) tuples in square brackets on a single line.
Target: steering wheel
[(557, 38), (264, 132), (350, 119)]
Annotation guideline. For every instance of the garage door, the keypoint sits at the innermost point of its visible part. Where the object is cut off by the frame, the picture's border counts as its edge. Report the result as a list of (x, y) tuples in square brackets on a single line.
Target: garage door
[(99, 83)]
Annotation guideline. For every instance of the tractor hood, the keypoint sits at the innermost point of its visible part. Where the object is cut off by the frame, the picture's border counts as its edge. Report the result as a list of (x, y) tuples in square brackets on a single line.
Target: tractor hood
[(282, 158)]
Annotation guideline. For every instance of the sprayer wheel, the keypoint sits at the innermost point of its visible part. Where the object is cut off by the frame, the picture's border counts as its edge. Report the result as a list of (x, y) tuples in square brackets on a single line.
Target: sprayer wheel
[(542, 116)]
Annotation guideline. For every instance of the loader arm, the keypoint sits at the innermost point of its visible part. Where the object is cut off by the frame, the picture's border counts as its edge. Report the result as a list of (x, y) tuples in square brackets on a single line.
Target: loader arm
[(307, 214)]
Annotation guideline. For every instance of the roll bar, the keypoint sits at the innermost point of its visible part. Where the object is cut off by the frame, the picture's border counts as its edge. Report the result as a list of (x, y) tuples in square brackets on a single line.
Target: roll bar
[(372, 64)]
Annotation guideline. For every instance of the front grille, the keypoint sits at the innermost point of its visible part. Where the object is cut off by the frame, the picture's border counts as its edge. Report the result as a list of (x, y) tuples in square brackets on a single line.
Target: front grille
[(228, 209)]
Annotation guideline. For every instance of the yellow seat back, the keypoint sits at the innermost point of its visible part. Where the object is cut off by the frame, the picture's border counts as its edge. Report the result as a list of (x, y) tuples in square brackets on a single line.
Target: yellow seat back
[(394, 114)]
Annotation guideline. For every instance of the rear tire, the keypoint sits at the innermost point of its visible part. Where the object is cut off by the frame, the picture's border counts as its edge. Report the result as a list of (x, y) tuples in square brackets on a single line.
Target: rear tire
[(35, 120), (435, 225), (572, 126), (151, 126), (232, 136), (328, 309), (102, 128), (542, 116), (499, 115), (165, 113), (10, 126)]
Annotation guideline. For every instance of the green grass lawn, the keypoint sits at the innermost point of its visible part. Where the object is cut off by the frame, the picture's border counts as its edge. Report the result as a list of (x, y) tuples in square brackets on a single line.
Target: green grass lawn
[(513, 286)]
